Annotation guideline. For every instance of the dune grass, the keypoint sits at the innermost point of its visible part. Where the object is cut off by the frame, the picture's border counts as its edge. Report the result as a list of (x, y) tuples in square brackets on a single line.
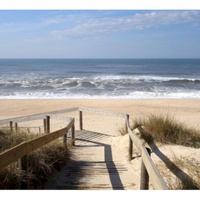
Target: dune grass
[(190, 166), (10, 139), (41, 163), (166, 129)]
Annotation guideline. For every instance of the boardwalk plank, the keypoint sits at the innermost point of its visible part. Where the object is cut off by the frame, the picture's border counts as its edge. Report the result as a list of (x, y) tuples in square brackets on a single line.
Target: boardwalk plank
[(92, 166)]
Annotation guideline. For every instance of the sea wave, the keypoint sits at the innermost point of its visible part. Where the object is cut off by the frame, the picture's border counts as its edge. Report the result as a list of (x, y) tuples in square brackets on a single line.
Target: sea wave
[(113, 86), (87, 81)]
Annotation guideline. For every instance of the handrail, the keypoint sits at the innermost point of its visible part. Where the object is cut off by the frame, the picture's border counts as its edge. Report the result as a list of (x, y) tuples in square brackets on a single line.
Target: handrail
[(9, 156), (103, 112), (36, 116), (156, 178)]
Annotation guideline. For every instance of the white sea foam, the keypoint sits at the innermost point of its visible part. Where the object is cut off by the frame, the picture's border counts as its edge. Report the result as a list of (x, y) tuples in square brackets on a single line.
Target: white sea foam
[(132, 95), (102, 79)]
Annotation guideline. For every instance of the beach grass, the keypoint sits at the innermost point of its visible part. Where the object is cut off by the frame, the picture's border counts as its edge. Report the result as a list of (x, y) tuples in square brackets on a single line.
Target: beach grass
[(41, 163), (166, 129), (189, 172), (9, 139)]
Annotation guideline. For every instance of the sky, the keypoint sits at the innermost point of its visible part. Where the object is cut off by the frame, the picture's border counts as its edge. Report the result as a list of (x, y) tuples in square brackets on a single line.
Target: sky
[(97, 33)]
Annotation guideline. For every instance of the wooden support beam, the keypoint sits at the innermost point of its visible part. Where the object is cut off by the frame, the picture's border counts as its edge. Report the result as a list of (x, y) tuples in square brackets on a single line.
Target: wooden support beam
[(16, 127), (144, 177), (73, 135), (45, 125), (11, 126), (48, 124), (130, 149), (81, 120)]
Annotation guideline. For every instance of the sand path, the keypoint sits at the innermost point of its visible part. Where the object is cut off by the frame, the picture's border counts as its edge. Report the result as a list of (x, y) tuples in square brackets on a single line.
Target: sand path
[(95, 165)]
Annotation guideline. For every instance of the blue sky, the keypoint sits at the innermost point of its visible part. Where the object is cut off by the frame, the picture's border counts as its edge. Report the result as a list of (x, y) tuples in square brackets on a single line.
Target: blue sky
[(99, 33)]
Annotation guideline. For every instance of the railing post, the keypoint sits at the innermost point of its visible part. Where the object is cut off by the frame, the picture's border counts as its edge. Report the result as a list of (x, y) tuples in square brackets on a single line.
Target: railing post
[(16, 128), (126, 124), (65, 140), (11, 126), (81, 120), (23, 163), (45, 125), (130, 149), (48, 124), (144, 177), (73, 135)]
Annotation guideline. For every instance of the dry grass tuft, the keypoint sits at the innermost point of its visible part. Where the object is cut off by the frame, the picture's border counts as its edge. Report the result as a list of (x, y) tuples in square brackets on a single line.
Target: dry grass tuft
[(191, 167), (166, 129), (41, 163), (10, 139)]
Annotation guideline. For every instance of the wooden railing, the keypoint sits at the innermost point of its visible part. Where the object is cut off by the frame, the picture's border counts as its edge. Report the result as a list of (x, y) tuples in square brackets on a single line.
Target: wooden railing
[(148, 168), (22, 150)]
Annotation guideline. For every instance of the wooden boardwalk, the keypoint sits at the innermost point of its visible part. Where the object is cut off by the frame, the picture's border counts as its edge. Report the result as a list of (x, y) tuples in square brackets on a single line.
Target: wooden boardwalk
[(94, 166)]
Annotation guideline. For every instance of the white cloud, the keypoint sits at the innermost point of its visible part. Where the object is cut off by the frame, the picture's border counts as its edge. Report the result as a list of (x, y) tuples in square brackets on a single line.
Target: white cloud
[(87, 24), (138, 21)]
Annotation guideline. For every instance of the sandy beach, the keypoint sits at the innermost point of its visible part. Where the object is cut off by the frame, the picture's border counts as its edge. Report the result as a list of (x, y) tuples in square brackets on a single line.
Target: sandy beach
[(184, 110)]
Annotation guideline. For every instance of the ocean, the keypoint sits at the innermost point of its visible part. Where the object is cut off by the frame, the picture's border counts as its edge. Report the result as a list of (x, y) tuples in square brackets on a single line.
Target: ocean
[(99, 78)]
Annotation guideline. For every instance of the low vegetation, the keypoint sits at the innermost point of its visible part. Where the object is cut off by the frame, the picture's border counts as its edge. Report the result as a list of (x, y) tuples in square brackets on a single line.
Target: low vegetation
[(9, 139), (41, 163), (191, 167), (166, 129)]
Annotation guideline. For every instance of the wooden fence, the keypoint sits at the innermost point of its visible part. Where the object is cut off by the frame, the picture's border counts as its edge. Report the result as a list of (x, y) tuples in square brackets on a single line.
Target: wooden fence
[(22, 150), (148, 168)]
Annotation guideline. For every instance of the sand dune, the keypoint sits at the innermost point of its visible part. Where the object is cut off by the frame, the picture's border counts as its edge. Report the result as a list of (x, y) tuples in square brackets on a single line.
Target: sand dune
[(184, 110)]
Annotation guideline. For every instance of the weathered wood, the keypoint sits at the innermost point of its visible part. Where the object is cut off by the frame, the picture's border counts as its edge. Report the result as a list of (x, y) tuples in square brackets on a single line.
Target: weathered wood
[(81, 120), (154, 175), (36, 116), (23, 167), (48, 124), (13, 154), (144, 176), (102, 112), (59, 117), (45, 125), (65, 140), (130, 151), (11, 126), (126, 125), (73, 135), (25, 148), (16, 127)]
